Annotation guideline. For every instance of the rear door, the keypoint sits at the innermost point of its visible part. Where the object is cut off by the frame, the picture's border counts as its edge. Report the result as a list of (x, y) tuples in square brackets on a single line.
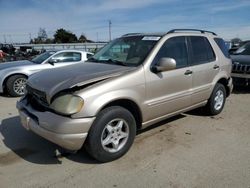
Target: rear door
[(204, 66)]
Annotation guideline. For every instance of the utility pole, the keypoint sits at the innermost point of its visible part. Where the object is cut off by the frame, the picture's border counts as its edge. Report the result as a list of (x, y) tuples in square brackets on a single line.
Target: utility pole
[(110, 30), (30, 36), (97, 38), (10, 39), (4, 39)]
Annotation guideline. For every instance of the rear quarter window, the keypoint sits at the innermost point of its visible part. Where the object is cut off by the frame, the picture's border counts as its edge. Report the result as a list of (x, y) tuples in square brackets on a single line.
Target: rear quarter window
[(222, 45)]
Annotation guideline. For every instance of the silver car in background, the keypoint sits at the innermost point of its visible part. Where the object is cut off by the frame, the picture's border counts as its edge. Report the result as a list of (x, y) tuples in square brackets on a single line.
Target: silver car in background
[(13, 75)]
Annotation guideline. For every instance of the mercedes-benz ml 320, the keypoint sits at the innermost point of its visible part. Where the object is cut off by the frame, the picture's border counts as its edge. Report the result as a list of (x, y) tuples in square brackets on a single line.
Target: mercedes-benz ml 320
[(132, 82)]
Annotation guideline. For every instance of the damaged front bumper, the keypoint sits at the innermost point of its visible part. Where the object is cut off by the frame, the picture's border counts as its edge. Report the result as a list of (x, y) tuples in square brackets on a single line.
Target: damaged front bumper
[(66, 132)]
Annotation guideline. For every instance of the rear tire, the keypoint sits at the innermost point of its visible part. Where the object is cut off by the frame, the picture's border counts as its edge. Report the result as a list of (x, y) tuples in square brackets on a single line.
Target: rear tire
[(111, 134), (15, 85), (217, 100)]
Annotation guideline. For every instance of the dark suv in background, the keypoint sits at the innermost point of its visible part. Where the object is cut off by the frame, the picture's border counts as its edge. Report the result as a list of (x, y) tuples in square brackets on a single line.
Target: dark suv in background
[(241, 65)]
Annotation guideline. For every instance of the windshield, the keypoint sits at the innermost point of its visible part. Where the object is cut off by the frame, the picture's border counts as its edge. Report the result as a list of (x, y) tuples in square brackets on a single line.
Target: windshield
[(243, 50), (42, 57), (127, 51)]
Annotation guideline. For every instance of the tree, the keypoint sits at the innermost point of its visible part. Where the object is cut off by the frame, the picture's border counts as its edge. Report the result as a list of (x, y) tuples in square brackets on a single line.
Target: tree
[(49, 41), (42, 35), (63, 36), (82, 38)]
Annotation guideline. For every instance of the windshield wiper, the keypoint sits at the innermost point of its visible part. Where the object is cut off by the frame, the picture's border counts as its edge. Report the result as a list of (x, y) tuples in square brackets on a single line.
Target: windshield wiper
[(93, 60), (117, 62), (33, 61), (112, 61)]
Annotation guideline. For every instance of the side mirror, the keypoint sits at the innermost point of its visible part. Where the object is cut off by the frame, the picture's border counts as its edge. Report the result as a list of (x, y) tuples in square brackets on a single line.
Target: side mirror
[(165, 64), (52, 61), (89, 56)]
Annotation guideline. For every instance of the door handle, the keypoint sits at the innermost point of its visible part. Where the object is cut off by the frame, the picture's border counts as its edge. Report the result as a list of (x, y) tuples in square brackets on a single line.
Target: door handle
[(188, 72), (216, 67)]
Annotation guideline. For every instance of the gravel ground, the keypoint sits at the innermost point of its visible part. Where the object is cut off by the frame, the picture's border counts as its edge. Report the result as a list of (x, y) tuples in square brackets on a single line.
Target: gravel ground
[(189, 150)]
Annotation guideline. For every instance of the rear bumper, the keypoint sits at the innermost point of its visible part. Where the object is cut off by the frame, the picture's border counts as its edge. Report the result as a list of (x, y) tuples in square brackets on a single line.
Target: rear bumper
[(66, 132)]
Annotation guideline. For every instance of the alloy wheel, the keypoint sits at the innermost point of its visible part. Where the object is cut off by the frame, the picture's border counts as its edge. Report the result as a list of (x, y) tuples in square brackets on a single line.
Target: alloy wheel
[(115, 135)]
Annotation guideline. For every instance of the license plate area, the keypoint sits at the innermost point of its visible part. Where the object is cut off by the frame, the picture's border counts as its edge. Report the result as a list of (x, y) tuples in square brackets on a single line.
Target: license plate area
[(25, 120)]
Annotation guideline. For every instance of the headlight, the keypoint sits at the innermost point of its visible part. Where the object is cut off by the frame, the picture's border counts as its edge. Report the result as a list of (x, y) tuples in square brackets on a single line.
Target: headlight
[(67, 104)]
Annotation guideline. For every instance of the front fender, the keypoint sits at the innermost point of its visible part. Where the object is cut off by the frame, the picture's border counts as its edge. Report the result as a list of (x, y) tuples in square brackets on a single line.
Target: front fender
[(95, 104)]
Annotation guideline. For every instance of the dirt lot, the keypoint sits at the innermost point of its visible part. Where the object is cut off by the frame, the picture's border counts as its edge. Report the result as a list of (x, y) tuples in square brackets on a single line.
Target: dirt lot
[(190, 150)]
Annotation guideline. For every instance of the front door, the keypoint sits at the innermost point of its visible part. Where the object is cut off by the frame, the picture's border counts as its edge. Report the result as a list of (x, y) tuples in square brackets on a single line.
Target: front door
[(169, 91)]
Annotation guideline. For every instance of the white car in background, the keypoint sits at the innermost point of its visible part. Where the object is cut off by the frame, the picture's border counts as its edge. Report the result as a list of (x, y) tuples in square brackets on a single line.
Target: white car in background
[(13, 75)]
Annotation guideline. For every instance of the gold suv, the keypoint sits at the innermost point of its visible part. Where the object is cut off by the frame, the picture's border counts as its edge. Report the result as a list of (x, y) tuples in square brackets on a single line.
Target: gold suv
[(133, 82)]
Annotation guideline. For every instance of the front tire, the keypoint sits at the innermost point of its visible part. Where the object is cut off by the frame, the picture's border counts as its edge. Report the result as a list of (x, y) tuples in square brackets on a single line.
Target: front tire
[(217, 100), (111, 134), (15, 85)]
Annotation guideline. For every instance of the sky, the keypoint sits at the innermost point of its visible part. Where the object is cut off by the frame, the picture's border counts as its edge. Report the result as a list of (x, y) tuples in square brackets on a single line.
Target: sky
[(21, 19)]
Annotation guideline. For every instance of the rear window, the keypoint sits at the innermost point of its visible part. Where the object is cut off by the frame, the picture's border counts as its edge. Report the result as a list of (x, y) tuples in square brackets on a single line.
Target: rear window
[(202, 51), (222, 45)]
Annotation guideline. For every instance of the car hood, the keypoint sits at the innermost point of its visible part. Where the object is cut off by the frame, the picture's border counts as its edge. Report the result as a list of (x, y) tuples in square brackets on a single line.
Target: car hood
[(243, 59), (53, 81), (15, 64)]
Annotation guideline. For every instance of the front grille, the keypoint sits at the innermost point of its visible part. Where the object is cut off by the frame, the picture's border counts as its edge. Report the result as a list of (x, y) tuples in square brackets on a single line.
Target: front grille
[(37, 94), (37, 99), (241, 68)]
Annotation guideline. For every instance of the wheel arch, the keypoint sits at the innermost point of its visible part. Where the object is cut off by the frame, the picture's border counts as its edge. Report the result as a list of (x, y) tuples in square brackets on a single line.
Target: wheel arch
[(224, 82), (10, 75), (130, 105)]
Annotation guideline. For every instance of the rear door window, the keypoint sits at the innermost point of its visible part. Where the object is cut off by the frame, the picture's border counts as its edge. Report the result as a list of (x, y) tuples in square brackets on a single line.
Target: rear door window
[(67, 57), (201, 50)]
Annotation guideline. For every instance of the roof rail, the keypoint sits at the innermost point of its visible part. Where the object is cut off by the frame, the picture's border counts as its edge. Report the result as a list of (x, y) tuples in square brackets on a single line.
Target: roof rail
[(197, 30), (128, 34)]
